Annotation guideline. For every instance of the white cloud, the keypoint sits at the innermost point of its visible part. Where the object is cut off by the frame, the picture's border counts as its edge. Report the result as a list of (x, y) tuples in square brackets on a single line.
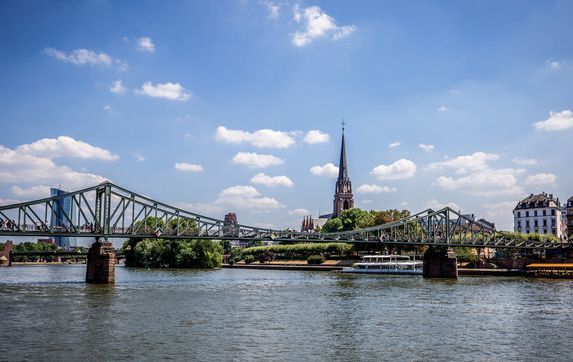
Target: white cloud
[(263, 138), (315, 136), (271, 181), (442, 109), (553, 64), (526, 161), (189, 167), (256, 160), (172, 91), (557, 121), (117, 87), (86, 56), (138, 157), (9, 202), (299, 212), (17, 166), (233, 198), (426, 148), (145, 44), (485, 182), (317, 24), (437, 205), (272, 8), (246, 197), (264, 225), (474, 162), (540, 179), (107, 108), (398, 170), (374, 189), (501, 213), (65, 146), (37, 192), (394, 144), (81, 56), (328, 170)]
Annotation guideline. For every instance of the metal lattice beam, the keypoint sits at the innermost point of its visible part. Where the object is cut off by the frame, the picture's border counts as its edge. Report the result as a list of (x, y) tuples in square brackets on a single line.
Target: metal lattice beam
[(110, 211)]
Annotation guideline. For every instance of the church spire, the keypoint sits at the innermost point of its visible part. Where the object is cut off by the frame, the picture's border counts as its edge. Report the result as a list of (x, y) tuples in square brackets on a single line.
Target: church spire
[(342, 165), (343, 198)]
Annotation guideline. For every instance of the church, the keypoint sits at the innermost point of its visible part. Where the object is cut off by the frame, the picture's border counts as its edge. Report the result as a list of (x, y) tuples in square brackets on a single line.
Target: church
[(343, 197)]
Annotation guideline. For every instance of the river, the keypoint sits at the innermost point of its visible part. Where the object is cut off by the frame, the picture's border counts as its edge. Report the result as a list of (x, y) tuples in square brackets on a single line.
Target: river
[(236, 314)]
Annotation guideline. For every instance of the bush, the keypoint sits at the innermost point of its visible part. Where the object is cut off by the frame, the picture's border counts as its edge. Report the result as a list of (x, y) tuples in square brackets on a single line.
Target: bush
[(179, 253), (249, 259), (266, 257), (315, 259), (292, 251)]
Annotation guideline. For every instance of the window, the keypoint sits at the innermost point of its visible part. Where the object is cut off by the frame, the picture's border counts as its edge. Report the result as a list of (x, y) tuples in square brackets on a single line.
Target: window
[(553, 222), (535, 213), (544, 213), (536, 223), (527, 214), (545, 231), (544, 222), (519, 214), (519, 224), (552, 212), (526, 223)]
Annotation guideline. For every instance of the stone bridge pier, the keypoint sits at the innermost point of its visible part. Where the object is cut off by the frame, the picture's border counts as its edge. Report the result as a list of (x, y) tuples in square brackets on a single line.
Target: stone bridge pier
[(6, 254), (440, 262), (101, 263)]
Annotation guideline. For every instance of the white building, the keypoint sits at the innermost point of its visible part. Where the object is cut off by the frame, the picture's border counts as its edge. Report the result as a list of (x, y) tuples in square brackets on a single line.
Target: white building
[(538, 214)]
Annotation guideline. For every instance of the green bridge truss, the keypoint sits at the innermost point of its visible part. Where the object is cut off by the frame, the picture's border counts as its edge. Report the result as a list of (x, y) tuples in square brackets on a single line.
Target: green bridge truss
[(110, 211)]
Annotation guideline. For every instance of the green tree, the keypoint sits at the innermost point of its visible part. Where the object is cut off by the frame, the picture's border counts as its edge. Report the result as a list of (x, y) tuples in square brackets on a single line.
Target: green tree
[(332, 226), (227, 246), (175, 253), (356, 219)]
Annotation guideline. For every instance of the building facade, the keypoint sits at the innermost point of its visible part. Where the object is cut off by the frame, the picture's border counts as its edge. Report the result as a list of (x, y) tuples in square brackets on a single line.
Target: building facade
[(569, 217), (538, 214), (61, 217)]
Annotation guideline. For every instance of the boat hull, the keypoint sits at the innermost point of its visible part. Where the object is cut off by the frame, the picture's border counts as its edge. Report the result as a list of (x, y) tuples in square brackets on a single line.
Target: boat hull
[(388, 272)]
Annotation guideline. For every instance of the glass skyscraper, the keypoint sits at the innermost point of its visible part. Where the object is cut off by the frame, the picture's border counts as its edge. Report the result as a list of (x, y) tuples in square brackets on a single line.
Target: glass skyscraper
[(62, 210)]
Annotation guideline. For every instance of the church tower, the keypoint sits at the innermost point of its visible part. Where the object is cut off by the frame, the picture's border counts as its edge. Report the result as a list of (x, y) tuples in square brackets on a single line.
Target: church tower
[(343, 198)]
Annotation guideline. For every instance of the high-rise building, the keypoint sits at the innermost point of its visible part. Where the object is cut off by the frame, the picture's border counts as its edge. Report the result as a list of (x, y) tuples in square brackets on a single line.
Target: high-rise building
[(343, 198), (62, 217), (569, 211), (538, 214), (230, 224)]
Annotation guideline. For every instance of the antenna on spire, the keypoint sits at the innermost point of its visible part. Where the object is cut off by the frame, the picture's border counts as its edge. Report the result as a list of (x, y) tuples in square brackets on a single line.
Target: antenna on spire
[(343, 123)]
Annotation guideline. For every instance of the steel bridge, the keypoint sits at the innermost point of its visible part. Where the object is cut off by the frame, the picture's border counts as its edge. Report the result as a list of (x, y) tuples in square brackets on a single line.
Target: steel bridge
[(109, 211)]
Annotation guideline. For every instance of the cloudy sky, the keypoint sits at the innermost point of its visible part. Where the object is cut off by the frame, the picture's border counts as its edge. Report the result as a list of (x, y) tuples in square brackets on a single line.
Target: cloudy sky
[(227, 106)]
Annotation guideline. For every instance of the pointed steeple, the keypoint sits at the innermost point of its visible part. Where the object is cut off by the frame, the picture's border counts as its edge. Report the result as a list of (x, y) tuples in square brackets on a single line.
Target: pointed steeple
[(342, 165), (343, 198)]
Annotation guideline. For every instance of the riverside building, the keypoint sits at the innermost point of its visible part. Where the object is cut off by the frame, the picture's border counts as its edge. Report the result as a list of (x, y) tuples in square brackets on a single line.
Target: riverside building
[(569, 217), (538, 214)]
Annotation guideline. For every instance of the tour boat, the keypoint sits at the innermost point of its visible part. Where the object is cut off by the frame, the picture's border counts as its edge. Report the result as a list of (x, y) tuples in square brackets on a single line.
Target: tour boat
[(386, 264)]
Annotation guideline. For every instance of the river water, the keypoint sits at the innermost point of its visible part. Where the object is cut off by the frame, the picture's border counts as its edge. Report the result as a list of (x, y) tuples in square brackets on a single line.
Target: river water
[(47, 312)]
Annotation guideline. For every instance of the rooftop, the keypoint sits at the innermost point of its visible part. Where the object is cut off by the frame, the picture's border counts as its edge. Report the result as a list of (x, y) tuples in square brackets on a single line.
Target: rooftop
[(539, 200)]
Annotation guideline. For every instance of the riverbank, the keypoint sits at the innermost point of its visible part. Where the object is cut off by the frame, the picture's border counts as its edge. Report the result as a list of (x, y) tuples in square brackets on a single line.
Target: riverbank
[(299, 267), (337, 265)]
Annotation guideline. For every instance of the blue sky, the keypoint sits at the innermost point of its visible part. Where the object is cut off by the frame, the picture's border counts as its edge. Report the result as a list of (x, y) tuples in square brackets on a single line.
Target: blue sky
[(209, 105)]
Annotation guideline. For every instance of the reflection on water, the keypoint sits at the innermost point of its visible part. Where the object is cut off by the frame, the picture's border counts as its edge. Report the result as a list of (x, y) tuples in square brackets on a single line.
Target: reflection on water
[(279, 315)]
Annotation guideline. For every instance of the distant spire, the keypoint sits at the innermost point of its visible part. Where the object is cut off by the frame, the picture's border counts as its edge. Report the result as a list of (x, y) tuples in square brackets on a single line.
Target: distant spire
[(342, 165)]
